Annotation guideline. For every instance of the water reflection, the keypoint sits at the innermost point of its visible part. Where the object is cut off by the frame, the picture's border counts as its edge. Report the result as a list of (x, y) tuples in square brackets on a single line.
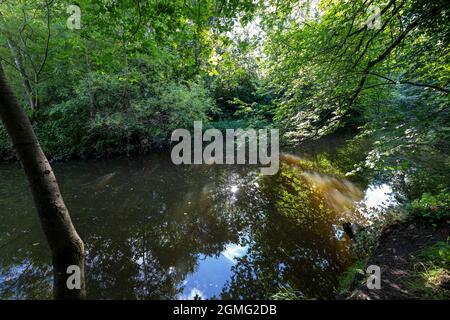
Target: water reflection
[(154, 230), (379, 196)]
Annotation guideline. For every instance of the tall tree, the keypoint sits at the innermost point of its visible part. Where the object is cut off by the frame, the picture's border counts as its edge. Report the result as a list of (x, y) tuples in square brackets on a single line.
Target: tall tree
[(66, 246)]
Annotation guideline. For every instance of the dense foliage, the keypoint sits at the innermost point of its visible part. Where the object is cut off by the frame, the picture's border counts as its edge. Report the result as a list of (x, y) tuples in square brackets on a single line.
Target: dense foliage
[(136, 70)]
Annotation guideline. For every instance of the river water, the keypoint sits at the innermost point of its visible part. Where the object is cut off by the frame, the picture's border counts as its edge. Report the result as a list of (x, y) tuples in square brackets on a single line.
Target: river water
[(154, 230)]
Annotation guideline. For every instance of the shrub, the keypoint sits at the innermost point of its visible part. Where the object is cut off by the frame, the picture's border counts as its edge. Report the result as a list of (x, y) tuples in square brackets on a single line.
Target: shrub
[(437, 254), (433, 207), (94, 121)]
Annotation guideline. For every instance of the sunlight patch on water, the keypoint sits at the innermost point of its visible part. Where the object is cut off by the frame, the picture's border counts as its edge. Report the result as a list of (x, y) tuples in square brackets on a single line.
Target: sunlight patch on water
[(379, 196), (377, 199)]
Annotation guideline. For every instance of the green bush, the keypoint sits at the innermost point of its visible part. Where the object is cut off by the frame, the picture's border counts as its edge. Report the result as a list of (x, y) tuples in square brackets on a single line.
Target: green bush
[(149, 122), (433, 207), (437, 254), (180, 104), (95, 121)]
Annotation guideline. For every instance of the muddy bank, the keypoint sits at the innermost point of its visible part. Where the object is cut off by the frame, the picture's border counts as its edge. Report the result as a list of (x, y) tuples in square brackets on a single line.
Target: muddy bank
[(396, 255)]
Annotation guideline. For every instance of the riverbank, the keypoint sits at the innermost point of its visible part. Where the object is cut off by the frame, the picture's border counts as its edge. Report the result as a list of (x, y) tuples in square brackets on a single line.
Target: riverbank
[(414, 258)]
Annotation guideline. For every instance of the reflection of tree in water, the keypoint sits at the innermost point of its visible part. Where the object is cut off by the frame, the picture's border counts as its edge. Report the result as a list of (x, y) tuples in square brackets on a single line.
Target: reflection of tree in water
[(293, 244), (144, 226), (157, 233), (24, 256), (146, 222), (26, 280)]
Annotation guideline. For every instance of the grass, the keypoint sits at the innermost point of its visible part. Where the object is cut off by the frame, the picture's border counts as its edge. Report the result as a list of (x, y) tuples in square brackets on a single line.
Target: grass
[(429, 272)]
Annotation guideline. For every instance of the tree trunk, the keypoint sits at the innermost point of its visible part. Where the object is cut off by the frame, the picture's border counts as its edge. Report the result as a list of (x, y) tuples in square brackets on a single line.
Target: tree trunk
[(66, 246)]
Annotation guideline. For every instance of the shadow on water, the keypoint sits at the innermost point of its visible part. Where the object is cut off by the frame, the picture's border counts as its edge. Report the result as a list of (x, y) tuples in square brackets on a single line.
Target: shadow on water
[(154, 230)]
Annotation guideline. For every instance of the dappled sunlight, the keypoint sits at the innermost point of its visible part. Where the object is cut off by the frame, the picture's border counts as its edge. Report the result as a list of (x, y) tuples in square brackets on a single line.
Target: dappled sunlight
[(338, 193), (378, 198)]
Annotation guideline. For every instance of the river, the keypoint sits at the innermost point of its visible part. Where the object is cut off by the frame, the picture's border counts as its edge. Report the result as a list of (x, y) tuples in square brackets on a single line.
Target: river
[(154, 230)]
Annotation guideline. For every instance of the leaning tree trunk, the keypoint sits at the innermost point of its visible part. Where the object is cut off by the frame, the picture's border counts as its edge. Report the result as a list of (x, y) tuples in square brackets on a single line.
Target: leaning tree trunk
[(66, 246)]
